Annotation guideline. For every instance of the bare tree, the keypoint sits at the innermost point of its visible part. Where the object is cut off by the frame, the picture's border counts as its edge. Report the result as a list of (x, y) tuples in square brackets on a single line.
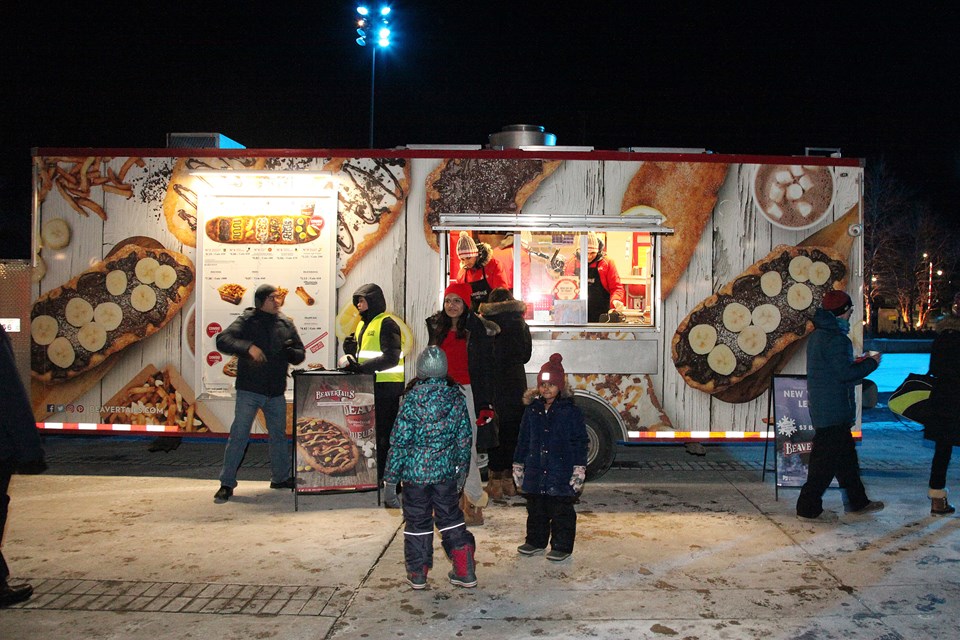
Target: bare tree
[(906, 248)]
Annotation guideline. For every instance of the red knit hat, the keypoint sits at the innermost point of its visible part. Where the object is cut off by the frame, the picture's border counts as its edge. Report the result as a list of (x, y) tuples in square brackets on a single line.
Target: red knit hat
[(460, 289), (552, 372), (836, 302)]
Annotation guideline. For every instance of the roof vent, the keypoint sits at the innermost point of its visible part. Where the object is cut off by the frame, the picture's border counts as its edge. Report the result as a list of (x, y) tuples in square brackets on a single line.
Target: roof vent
[(515, 136)]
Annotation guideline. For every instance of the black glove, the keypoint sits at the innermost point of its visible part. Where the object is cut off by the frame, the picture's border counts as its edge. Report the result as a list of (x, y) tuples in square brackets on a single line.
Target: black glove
[(32, 467), (349, 363), (350, 345)]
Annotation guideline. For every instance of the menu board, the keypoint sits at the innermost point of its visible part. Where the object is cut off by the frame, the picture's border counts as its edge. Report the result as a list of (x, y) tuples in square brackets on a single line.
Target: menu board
[(266, 232), (334, 431)]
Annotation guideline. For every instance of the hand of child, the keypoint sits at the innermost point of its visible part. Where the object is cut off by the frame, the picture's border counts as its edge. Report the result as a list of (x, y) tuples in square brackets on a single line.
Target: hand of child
[(461, 479), (518, 474), (578, 477), (390, 498)]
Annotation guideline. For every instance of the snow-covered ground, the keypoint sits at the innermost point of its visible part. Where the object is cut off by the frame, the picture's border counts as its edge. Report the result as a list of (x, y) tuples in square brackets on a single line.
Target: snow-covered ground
[(894, 367)]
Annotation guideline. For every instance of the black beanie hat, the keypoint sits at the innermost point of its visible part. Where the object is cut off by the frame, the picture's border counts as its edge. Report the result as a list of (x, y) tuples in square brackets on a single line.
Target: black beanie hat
[(263, 292)]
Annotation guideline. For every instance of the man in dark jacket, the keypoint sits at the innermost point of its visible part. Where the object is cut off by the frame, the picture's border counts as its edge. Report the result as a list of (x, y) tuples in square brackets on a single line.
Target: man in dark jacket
[(832, 377), (267, 343), (376, 348), (20, 452)]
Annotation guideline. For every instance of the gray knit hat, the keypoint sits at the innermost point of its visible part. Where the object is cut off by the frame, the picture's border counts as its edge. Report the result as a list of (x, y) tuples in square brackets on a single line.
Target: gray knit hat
[(432, 363)]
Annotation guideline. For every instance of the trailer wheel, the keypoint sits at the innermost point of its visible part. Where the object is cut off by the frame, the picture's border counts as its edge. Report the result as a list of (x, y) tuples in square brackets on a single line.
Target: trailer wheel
[(602, 433)]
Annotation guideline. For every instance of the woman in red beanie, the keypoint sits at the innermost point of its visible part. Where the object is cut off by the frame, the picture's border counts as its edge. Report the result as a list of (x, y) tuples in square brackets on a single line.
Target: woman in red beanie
[(460, 333)]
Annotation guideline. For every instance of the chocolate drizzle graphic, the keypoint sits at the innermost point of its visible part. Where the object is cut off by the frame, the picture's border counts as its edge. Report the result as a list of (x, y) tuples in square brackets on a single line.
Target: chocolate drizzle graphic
[(366, 195)]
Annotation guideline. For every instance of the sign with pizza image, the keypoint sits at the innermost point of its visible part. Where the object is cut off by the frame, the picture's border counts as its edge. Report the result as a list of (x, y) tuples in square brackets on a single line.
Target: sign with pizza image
[(334, 432)]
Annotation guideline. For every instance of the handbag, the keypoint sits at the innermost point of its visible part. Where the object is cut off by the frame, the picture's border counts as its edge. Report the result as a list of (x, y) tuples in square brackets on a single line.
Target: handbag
[(911, 398)]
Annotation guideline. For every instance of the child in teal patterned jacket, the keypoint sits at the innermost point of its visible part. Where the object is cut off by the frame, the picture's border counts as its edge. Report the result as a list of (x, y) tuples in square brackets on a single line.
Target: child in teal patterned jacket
[(430, 453)]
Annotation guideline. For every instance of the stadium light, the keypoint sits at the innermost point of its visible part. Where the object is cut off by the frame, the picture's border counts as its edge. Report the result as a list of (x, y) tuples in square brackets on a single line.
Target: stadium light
[(378, 32)]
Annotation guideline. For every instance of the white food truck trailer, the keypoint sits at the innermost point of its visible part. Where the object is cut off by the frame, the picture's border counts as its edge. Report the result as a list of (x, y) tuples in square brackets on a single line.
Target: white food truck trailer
[(687, 233)]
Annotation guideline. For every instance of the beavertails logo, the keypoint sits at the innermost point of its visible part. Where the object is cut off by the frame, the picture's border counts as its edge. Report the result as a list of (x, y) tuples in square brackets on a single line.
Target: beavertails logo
[(792, 448), (335, 394)]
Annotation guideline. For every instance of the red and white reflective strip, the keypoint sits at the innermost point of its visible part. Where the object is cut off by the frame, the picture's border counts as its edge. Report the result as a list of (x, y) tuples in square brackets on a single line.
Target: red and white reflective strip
[(697, 436), (95, 426)]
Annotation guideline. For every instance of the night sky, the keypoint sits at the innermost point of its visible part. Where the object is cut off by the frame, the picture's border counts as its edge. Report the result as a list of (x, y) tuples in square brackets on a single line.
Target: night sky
[(770, 80)]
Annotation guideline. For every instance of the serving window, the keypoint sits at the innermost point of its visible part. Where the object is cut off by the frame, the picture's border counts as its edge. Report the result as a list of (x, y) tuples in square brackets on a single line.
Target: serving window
[(560, 289)]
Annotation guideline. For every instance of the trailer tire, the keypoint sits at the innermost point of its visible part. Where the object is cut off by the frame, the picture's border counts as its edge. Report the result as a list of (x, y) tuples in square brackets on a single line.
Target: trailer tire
[(603, 432)]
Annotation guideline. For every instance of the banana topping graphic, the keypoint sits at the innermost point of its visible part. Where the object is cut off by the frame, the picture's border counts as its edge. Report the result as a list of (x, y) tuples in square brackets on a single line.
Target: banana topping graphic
[(703, 338), (734, 332), (130, 295)]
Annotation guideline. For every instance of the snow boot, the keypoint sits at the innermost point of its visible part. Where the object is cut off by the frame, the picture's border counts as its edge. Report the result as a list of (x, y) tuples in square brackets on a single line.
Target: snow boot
[(938, 503), (506, 484), (472, 514), (494, 489), (464, 573)]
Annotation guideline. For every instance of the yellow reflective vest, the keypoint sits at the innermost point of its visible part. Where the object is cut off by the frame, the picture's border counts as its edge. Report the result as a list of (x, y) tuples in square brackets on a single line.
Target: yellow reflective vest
[(370, 348)]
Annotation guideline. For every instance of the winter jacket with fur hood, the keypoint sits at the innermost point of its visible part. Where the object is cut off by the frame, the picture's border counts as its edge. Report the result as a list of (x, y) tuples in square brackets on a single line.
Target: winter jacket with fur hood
[(550, 445), (485, 267)]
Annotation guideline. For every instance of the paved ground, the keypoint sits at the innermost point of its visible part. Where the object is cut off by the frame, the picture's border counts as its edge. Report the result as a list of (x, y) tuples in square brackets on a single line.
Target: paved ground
[(122, 543)]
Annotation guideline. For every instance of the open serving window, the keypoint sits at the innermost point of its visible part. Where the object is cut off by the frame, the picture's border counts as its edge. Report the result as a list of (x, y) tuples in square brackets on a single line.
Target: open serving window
[(619, 288)]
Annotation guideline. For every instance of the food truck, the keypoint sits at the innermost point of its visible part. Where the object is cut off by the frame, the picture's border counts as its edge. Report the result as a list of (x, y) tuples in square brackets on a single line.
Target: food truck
[(143, 255)]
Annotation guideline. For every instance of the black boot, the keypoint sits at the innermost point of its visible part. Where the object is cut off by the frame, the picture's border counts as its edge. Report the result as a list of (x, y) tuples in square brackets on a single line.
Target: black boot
[(11, 594)]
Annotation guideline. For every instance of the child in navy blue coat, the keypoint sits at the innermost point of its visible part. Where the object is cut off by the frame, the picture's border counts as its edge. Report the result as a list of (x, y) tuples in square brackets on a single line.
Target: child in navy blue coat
[(550, 463)]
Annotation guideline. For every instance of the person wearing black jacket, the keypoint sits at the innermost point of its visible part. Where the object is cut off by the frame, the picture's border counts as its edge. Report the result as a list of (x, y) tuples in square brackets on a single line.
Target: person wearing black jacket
[(375, 348), (511, 351), (267, 343), (943, 424), (20, 452)]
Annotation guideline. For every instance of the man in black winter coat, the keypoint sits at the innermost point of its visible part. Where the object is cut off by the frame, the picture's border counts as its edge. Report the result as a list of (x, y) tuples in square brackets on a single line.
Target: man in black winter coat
[(267, 343), (20, 452)]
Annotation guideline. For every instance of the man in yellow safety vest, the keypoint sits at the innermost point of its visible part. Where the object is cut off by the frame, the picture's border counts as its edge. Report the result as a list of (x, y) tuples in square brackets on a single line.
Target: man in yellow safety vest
[(375, 348)]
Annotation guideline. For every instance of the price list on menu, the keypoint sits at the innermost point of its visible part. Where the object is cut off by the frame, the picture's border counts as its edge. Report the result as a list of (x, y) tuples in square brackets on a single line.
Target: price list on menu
[(287, 241)]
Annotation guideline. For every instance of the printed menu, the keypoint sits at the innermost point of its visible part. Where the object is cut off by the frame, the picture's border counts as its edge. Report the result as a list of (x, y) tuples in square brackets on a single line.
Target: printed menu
[(251, 239)]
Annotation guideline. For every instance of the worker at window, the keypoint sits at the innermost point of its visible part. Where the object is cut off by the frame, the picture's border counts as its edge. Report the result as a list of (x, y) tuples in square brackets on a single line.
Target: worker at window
[(478, 269), (604, 289)]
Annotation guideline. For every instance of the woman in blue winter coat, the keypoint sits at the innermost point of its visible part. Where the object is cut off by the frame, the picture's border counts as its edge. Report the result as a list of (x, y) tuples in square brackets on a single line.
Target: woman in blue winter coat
[(430, 454), (550, 463)]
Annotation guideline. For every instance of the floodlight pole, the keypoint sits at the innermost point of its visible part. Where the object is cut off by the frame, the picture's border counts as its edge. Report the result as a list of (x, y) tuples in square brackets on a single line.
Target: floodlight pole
[(373, 75)]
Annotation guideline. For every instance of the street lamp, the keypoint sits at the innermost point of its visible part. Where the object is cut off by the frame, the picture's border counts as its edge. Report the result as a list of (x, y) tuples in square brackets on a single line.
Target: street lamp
[(378, 31)]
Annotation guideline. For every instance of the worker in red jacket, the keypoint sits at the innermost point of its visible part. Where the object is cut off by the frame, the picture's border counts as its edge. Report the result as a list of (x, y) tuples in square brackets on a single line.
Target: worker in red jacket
[(478, 269), (604, 289)]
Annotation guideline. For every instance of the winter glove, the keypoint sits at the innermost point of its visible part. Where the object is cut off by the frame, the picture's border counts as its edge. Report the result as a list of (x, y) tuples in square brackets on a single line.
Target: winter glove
[(390, 498), (461, 478), (518, 474), (349, 363), (578, 477), (486, 416), (350, 345)]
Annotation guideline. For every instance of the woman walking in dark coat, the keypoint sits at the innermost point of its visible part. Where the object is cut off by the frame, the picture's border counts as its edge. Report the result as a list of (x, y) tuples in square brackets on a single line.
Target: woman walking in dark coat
[(943, 424), (511, 350)]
